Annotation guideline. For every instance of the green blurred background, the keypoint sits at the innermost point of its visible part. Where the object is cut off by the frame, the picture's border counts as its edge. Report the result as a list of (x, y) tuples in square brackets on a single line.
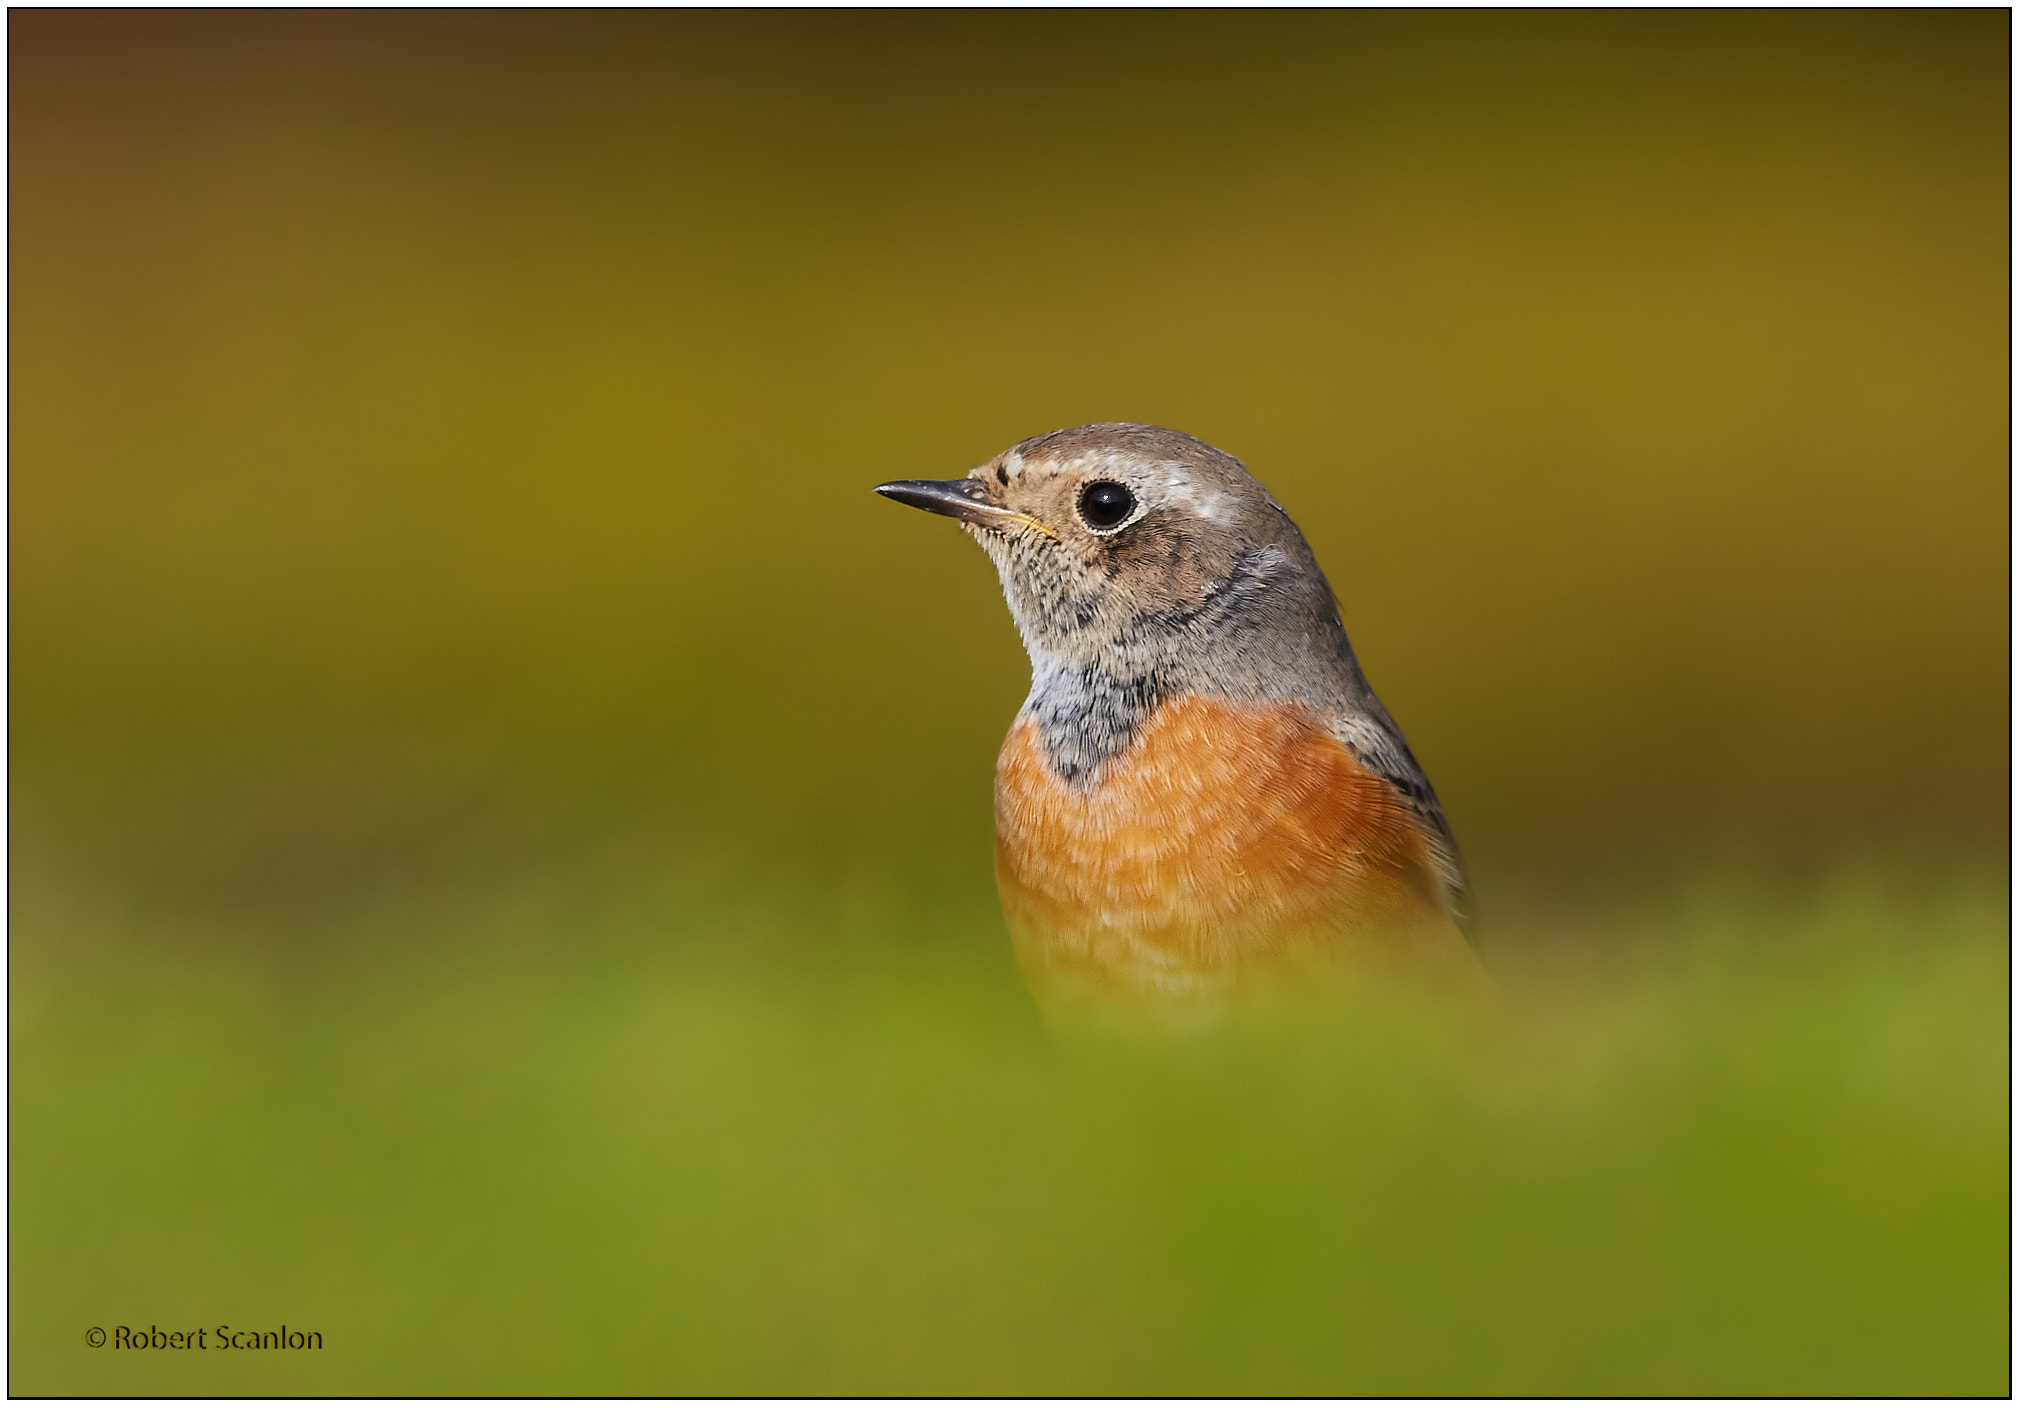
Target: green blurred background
[(499, 823)]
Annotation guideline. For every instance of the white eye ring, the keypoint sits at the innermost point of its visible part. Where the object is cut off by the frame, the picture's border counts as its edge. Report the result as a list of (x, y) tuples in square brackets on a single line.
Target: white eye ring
[(1106, 505)]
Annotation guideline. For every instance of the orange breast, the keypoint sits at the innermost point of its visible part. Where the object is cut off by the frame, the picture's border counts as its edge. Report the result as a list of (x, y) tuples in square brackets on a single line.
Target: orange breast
[(1228, 837)]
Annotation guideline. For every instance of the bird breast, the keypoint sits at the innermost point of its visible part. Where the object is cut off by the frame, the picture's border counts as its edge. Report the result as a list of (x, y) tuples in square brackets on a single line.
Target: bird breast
[(1226, 834)]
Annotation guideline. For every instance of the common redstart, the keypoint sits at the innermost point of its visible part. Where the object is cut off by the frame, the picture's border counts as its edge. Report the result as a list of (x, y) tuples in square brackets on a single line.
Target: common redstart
[(1201, 796)]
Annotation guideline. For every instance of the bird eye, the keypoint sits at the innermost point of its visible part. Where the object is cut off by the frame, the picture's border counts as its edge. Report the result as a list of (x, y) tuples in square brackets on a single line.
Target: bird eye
[(1105, 503)]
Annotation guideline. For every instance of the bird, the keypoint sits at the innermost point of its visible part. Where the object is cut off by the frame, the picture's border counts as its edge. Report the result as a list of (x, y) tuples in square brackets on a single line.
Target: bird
[(1201, 800)]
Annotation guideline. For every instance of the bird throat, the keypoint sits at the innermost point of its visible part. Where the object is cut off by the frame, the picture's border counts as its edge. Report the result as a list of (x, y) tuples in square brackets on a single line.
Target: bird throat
[(1086, 715)]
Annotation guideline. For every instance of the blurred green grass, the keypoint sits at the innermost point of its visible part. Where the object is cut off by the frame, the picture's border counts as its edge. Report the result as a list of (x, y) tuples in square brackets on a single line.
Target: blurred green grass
[(1731, 1145)]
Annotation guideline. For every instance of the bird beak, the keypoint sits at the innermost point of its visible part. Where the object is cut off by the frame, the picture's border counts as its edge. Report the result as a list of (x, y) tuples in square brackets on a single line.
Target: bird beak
[(965, 499)]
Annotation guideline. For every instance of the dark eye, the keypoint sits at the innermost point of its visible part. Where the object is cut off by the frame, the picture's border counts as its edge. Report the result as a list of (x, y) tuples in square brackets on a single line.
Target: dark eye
[(1105, 503)]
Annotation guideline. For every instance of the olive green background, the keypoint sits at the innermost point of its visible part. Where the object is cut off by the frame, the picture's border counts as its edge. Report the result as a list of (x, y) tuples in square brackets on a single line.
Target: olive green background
[(499, 826)]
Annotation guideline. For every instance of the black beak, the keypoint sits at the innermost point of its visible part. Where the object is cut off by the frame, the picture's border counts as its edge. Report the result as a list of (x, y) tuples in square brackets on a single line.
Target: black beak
[(965, 499)]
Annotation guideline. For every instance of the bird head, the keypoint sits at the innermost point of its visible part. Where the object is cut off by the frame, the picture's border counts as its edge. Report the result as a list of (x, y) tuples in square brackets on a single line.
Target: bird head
[(1119, 539)]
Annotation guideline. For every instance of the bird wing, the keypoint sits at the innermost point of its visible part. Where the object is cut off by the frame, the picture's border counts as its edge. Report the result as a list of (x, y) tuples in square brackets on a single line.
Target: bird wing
[(1375, 741)]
